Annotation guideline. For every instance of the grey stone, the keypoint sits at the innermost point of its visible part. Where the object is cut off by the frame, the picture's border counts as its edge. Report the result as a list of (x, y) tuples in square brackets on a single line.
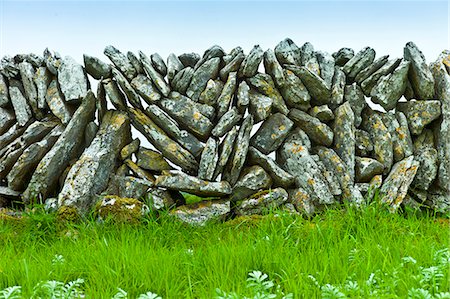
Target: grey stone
[(279, 176), (115, 96), (343, 55), (250, 65), (262, 202), (419, 75), (227, 95), (297, 135), (425, 140), (264, 84), (96, 67), (294, 92), (19, 102), (146, 89), (7, 120), (159, 139), (45, 177), (185, 183), (129, 149), (90, 132), (372, 68), (208, 70), (363, 142), (8, 193), (200, 214), (159, 64), (156, 77), (121, 62), (8, 67), (204, 109), (308, 58), (182, 80), (174, 65), (251, 180), (271, 133), (395, 187), (135, 62), (287, 52), (225, 150), (260, 106), (369, 189), (232, 66), (213, 52), (401, 139), (4, 94), (208, 160), (162, 199), (171, 128), (404, 136), (139, 172), (368, 84), (359, 62), (409, 92), (420, 113), (428, 168), (57, 104), (189, 59), (211, 93), (354, 95), (329, 175), (72, 79), (52, 62), (326, 65), (317, 131), (150, 160), (132, 96), (390, 88), (27, 74), (226, 122), (131, 187), (237, 160), (438, 200), (302, 202), (323, 113), (366, 169), (273, 68), (344, 137), (42, 79), (243, 99), (337, 88), (316, 86)]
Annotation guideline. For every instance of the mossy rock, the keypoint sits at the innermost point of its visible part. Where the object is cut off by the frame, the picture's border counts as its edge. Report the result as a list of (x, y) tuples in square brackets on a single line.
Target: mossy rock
[(120, 209), (68, 214)]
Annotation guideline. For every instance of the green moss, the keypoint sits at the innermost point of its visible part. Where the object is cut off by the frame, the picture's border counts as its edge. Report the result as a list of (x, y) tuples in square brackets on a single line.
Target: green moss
[(68, 214), (119, 209)]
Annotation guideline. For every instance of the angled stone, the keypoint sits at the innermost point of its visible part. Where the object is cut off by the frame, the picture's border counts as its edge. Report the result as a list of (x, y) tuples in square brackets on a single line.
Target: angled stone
[(250, 65), (146, 89), (208, 160), (419, 75), (317, 131), (420, 113), (121, 62), (271, 133), (96, 67)]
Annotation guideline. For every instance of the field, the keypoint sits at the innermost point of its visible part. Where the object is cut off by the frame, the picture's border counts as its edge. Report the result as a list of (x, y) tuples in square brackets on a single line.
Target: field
[(366, 253)]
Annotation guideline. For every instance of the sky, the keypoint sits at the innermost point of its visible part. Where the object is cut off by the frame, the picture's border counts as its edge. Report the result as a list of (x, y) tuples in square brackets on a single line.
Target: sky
[(76, 27)]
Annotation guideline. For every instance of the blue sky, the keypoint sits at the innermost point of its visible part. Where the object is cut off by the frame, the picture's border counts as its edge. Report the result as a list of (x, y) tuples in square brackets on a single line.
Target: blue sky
[(77, 27)]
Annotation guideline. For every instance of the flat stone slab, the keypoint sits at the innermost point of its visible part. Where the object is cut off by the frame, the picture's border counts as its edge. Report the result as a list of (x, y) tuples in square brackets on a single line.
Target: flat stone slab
[(262, 202), (317, 131), (200, 214), (271, 133), (72, 80), (420, 113)]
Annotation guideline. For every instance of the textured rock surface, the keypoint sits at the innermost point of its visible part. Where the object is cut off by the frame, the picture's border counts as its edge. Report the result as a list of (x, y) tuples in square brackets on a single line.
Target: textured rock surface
[(366, 169), (201, 76), (344, 137), (262, 202), (151, 160), (96, 68), (208, 160), (252, 180), (317, 87), (420, 76), (121, 62), (317, 131), (271, 133), (200, 214), (420, 113)]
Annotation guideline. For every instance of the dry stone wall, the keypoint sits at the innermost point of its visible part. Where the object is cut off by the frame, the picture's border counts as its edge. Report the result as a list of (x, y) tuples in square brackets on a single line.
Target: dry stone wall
[(318, 142)]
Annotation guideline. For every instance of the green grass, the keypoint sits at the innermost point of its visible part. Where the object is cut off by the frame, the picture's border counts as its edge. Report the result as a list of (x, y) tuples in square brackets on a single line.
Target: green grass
[(178, 261)]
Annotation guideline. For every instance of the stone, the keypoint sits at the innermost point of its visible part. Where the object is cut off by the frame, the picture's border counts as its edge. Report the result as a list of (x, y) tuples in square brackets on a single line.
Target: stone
[(344, 137), (20, 105), (359, 62), (114, 95), (273, 68), (401, 139), (303, 202), (297, 135), (381, 138), (264, 84), (354, 95), (182, 80), (323, 113), (243, 99), (42, 79), (174, 65), (279, 176), (294, 92), (8, 193), (121, 62), (139, 172), (8, 67), (57, 104), (90, 132), (260, 106), (294, 157), (363, 142), (251, 180), (101, 102), (4, 94), (438, 200), (213, 52), (156, 77), (212, 92), (189, 59), (89, 175), (135, 62), (208, 160), (132, 187), (425, 140), (420, 113), (171, 128), (237, 160), (227, 95), (52, 62), (21, 172), (192, 185), (72, 80), (232, 66), (287, 52), (150, 160), (308, 58), (441, 73), (419, 74), (329, 174), (27, 74), (343, 55), (146, 89), (96, 67), (225, 150), (12, 133), (129, 149), (187, 114), (366, 169), (208, 70), (199, 214), (369, 189), (159, 139), (404, 136), (368, 84), (7, 120), (250, 65), (337, 88), (316, 86), (428, 168), (131, 94), (271, 133), (226, 122), (120, 209), (45, 177), (163, 199), (262, 202), (326, 65), (159, 64), (317, 131), (395, 186), (372, 68), (390, 88)]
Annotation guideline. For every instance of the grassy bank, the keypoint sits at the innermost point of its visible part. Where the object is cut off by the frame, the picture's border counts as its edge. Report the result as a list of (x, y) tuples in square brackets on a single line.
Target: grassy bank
[(363, 254)]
